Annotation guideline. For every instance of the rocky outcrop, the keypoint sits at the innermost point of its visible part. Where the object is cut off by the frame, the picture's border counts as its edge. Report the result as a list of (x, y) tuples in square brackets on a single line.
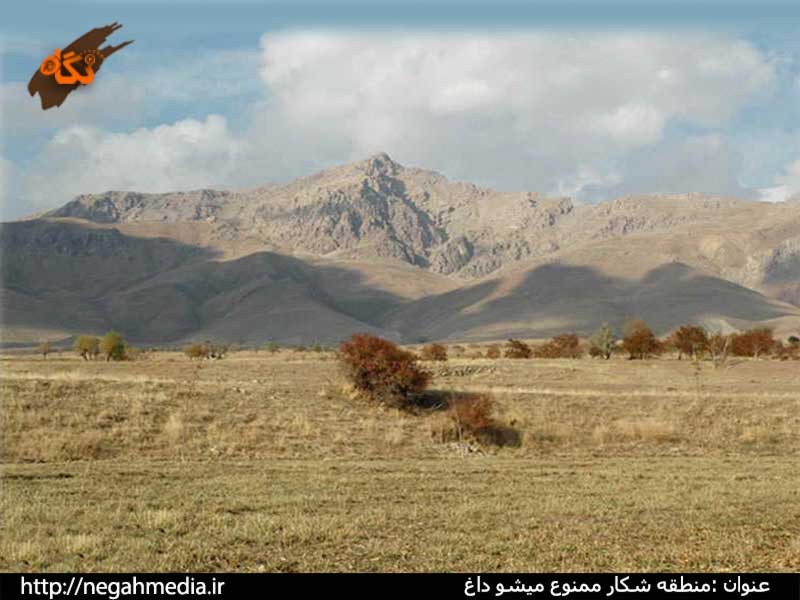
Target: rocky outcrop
[(376, 246)]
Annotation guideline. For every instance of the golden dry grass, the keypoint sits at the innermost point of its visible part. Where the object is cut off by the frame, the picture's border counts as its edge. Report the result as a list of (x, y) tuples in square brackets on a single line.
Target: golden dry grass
[(263, 462)]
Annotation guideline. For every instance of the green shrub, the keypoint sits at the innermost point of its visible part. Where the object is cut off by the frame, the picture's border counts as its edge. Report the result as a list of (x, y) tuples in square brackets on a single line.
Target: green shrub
[(602, 342), (196, 351), (87, 346), (113, 346), (44, 349)]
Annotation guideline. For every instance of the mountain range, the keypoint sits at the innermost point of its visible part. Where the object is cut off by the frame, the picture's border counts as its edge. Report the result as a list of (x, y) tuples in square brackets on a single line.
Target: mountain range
[(398, 251)]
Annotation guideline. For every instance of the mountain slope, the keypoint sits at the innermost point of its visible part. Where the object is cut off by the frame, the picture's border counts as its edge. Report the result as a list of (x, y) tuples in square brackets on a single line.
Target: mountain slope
[(399, 251), (554, 297), (377, 209), (66, 277)]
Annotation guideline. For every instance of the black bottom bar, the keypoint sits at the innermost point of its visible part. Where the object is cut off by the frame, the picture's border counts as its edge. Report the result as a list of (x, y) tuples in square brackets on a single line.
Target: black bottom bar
[(116, 586)]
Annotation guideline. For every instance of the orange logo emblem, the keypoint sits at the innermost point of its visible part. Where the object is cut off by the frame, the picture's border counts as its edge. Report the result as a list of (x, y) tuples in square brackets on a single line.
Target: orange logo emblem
[(64, 71)]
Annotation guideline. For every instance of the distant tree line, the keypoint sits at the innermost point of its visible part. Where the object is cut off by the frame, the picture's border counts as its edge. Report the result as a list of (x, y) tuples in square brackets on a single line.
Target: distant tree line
[(206, 350), (637, 342), (111, 346)]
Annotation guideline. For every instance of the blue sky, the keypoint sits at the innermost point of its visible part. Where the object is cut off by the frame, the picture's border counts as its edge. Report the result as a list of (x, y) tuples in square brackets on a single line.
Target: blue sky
[(590, 99)]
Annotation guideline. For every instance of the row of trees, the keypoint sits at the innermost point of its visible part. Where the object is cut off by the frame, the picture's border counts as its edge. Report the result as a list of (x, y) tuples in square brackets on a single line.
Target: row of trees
[(209, 349), (112, 346), (640, 342), (637, 340)]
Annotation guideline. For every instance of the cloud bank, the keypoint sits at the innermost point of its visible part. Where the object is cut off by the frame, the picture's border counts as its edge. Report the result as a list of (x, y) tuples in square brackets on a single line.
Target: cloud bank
[(589, 114), (541, 111)]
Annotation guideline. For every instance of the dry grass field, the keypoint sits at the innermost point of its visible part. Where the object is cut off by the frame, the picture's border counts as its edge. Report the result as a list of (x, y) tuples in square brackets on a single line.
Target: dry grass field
[(264, 462)]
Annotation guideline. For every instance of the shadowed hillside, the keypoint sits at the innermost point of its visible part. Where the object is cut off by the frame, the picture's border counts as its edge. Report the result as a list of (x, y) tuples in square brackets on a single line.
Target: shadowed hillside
[(402, 252), (554, 298)]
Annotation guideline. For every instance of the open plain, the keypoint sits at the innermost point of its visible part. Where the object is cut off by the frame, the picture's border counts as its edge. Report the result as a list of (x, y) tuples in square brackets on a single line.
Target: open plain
[(264, 462)]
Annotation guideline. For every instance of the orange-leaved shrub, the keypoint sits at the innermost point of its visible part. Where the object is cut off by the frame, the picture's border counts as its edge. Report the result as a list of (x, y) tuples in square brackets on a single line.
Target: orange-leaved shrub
[(381, 370), (596, 352), (753, 342), (518, 349), (493, 351), (639, 341), (473, 418), (690, 340), (565, 345), (787, 351), (473, 411), (434, 352)]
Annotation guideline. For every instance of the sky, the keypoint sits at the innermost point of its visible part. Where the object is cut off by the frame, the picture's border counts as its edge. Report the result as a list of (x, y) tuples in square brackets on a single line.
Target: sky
[(585, 98)]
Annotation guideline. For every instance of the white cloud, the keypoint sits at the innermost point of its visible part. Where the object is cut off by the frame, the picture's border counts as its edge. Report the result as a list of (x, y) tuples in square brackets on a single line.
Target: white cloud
[(188, 154), (115, 102), (517, 110), (700, 163), (512, 109), (787, 185)]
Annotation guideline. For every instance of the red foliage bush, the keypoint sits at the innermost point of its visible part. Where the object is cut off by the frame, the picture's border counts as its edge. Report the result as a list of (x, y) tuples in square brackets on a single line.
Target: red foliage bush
[(434, 352), (473, 417), (640, 341), (382, 370), (472, 412), (493, 351), (753, 342), (565, 345), (788, 351), (690, 340), (517, 349), (596, 352)]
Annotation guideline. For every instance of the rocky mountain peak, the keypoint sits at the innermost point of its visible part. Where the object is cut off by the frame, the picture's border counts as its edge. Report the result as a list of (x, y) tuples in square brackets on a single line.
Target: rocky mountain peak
[(377, 246), (379, 164), (376, 208)]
